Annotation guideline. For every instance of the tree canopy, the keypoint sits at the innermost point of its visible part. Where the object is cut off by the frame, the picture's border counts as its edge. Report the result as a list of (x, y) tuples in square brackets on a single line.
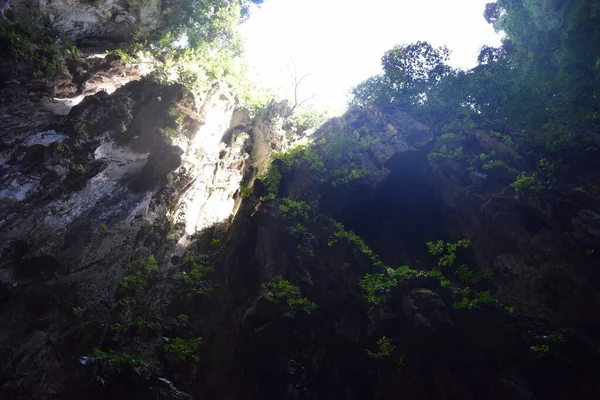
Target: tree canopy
[(544, 78)]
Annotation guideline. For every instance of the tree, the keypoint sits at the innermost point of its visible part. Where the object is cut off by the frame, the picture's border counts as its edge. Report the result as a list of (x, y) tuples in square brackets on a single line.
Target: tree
[(410, 72), (297, 82)]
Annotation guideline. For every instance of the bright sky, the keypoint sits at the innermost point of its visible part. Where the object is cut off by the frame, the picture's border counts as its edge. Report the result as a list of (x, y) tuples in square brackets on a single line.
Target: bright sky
[(340, 42)]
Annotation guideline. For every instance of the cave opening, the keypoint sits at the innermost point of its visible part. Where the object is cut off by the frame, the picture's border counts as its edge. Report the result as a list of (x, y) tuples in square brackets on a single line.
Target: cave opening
[(402, 215)]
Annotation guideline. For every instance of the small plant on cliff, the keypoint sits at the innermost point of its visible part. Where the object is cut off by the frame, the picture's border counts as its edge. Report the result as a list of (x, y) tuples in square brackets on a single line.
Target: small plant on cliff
[(138, 280), (341, 233), (377, 287), (345, 152), (385, 349), (280, 289), (386, 353), (271, 179), (448, 146), (143, 324), (181, 350), (195, 278), (472, 299), (78, 312), (247, 192), (303, 154), (545, 342), (119, 361), (33, 44), (542, 179), (446, 251), (291, 209), (116, 327)]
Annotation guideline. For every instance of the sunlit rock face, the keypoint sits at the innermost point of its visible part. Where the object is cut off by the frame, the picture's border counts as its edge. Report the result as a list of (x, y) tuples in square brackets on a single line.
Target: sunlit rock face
[(93, 176), (98, 20)]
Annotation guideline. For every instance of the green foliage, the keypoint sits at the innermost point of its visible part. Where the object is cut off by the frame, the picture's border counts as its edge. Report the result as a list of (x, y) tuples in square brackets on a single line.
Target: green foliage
[(291, 209), (81, 169), (539, 92), (135, 282), (467, 276), (446, 251), (527, 182), (144, 324), (411, 72), (385, 349), (119, 360), (346, 174), (196, 276), (307, 119), (123, 54), (181, 320), (448, 146), (172, 231), (181, 350), (116, 327), (247, 192), (345, 152), (34, 44), (271, 179), (78, 312), (472, 299), (138, 280), (545, 342), (377, 287), (280, 289), (342, 233), (303, 154)]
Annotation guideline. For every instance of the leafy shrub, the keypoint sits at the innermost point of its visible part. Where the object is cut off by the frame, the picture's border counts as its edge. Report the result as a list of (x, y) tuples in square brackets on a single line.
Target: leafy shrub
[(116, 327), (195, 277), (545, 342), (139, 280), (180, 350), (247, 192), (377, 286), (303, 154), (144, 324), (446, 251), (78, 312), (181, 320), (385, 348), (119, 360), (527, 182), (280, 289), (291, 209), (447, 147), (346, 174), (345, 153), (468, 276), (342, 233), (271, 179), (32, 44), (472, 299)]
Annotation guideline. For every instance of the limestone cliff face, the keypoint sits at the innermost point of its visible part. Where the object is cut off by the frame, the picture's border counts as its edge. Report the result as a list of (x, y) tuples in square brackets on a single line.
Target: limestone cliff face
[(89, 188), (128, 230), (537, 340), (113, 20)]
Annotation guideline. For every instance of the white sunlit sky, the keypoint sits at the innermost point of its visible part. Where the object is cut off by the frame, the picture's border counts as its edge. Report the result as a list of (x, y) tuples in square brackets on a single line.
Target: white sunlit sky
[(340, 42)]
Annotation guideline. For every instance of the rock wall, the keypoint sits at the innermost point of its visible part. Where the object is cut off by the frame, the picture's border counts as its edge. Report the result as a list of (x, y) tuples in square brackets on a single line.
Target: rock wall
[(111, 20), (536, 340), (90, 184), (136, 239)]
